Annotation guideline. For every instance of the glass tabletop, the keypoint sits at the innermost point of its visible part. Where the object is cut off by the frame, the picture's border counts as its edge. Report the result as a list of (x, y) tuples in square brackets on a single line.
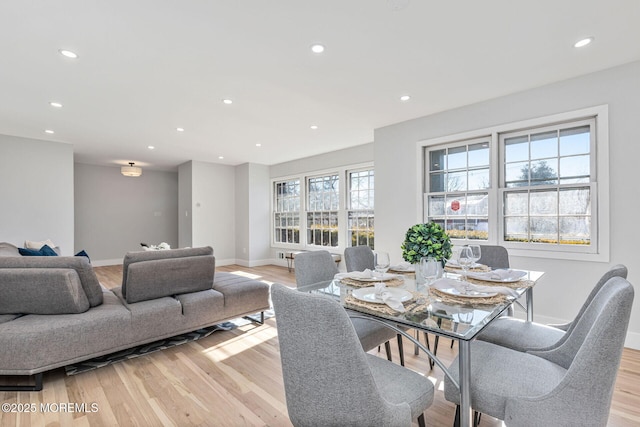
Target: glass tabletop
[(455, 316)]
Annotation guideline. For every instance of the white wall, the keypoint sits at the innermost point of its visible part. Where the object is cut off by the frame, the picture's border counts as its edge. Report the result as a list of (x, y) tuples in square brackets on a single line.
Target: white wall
[(185, 205), (259, 215), (36, 192), (566, 283), (213, 207), (114, 213)]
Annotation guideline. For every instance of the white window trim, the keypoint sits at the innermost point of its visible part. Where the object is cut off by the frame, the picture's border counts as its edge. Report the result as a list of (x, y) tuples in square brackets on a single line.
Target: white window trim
[(601, 196), (342, 172)]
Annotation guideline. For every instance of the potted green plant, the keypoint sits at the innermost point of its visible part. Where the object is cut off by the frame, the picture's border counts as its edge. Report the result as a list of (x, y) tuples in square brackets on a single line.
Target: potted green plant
[(426, 240)]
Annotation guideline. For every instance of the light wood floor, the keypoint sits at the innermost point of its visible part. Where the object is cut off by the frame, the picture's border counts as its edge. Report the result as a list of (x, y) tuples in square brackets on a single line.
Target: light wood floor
[(230, 378)]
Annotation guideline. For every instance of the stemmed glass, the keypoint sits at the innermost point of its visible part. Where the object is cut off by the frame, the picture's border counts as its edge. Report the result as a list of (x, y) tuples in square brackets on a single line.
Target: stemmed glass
[(382, 263), (465, 259), (476, 253)]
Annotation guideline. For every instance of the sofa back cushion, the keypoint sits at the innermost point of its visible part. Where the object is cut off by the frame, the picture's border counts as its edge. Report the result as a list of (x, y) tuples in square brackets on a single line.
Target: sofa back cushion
[(41, 291), (155, 274), (81, 265)]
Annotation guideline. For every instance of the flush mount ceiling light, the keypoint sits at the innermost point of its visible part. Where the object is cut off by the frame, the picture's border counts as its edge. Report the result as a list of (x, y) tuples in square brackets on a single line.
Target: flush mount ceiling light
[(131, 170), (583, 42), (317, 48), (258, 145), (314, 127), (55, 104), (405, 98), (180, 129), (68, 53), (48, 131), (221, 157), (227, 101), (151, 147)]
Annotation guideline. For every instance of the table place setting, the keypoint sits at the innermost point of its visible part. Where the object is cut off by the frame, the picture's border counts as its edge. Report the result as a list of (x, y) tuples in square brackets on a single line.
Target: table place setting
[(454, 265), (403, 268), (365, 278), (464, 292), (387, 300)]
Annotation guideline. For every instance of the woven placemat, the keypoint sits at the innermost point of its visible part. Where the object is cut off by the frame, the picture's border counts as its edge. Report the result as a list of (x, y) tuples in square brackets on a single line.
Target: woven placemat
[(451, 299), (362, 284), (524, 283), (456, 269), (410, 305)]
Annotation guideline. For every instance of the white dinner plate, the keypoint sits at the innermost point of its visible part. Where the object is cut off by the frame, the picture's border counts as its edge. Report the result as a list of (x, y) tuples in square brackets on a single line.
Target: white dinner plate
[(369, 294), (384, 278), (470, 294), (512, 276), (409, 269), (454, 264)]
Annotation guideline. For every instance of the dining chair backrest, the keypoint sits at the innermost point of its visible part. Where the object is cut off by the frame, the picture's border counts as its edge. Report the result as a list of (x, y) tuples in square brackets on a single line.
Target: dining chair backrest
[(314, 267), (591, 355), (359, 258), (327, 379), (494, 256), (618, 270)]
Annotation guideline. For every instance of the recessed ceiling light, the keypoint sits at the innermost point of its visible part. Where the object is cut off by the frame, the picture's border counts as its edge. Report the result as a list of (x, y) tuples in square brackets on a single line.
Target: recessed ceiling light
[(583, 42), (68, 53), (180, 129), (48, 131), (317, 48), (405, 98), (258, 145), (221, 157), (227, 101), (314, 127), (55, 104), (151, 147)]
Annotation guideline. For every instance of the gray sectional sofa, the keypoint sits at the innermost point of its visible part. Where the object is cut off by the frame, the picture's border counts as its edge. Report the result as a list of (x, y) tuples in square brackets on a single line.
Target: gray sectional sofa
[(54, 312)]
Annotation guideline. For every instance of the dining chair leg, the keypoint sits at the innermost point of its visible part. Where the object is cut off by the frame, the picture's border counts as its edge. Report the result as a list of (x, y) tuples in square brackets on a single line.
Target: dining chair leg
[(456, 418), (421, 421), (476, 418), (431, 362), (387, 347), (400, 349)]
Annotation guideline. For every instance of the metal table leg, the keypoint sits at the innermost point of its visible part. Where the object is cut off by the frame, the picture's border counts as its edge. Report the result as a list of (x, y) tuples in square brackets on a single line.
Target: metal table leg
[(530, 304), (464, 360)]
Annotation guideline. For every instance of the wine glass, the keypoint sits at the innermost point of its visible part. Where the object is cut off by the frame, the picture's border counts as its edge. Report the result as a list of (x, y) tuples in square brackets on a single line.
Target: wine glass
[(465, 259), (476, 253), (382, 263), (429, 267)]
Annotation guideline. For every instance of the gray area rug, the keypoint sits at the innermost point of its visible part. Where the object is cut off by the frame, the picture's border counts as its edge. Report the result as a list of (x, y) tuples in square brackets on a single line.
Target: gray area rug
[(142, 350)]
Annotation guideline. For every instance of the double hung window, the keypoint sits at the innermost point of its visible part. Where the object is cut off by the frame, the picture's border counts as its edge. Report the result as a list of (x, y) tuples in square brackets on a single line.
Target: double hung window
[(311, 210), (533, 188)]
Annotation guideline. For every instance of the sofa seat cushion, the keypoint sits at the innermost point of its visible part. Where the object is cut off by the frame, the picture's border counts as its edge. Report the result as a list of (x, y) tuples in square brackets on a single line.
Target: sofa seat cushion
[(147, 280), (202, 308), (81, 265), (41, 291), (37, 343), (241, 294)]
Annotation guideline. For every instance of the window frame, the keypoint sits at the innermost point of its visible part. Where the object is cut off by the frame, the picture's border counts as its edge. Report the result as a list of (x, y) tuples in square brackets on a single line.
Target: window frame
[(349, 208), (343, 177), (600, 184)]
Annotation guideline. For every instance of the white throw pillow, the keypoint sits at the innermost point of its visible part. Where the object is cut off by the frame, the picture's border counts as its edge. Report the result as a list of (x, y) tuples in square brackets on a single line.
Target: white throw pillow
[(38, 245)]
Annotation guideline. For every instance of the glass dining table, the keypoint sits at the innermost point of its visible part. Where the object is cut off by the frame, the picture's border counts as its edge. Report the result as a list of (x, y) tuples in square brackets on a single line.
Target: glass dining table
[(444, 311)]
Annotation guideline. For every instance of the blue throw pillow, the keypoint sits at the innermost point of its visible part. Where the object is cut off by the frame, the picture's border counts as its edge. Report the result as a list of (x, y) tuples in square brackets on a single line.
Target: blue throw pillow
[(83, 253), (43, 251)]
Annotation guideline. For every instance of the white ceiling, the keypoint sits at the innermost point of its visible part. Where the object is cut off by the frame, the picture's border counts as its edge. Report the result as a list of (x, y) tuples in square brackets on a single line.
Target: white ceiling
[(147, 67)]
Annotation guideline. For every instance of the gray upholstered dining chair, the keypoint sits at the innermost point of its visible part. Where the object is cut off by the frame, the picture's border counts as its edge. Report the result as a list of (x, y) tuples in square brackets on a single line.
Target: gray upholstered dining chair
[(520, 335), (557, 386), (494, 256), (318, 266), (359, 258), (328, 378)]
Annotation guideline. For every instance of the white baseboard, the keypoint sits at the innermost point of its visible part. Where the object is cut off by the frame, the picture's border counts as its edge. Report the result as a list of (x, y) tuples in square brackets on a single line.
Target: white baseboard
[(105, 262)]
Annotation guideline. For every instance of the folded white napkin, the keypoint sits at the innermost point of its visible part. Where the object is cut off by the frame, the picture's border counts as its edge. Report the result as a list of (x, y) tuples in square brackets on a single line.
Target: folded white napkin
[(403, 266), (366, 274), (500, 274), (445, 283), (388, 298)]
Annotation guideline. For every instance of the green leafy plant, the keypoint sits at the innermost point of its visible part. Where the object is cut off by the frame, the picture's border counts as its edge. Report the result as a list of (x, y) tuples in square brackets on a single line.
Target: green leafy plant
[(423, 240)]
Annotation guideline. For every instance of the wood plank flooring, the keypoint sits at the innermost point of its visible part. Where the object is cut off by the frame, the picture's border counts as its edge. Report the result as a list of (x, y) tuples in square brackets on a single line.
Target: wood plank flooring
[(231, 378)]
